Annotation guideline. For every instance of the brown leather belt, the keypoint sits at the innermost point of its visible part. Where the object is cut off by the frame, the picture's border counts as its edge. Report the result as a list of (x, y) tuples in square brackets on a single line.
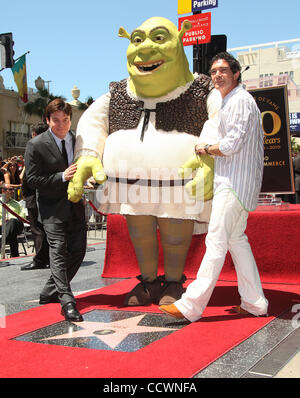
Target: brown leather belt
[(149, 183)]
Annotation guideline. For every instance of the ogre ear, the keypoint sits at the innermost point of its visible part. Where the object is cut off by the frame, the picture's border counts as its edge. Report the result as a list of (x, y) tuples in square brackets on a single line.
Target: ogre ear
[(186, 25), (123, 33)]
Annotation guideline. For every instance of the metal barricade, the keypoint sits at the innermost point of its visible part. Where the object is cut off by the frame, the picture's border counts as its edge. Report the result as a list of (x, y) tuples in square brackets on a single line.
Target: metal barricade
[(3, 229), (96, 223), (16, 196)]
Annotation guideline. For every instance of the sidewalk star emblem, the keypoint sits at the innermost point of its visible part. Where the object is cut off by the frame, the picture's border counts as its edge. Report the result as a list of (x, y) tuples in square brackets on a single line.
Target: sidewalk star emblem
[(124, 331), (111, 333)]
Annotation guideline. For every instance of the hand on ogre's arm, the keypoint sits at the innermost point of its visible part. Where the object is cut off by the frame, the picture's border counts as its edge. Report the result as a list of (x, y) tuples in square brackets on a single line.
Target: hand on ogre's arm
[(87, 166), (70, 171)]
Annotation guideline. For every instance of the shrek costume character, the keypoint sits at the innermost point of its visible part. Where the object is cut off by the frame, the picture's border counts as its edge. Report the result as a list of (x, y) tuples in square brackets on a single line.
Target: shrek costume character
[(143, 130)]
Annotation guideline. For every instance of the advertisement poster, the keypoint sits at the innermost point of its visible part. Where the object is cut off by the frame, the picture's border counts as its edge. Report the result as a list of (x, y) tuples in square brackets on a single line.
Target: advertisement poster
[(278, 170), (295, 123)]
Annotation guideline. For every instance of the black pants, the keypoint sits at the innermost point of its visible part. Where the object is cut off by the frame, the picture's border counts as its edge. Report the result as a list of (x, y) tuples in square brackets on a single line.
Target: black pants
[(67, 243), (13, 228), (39, 238)]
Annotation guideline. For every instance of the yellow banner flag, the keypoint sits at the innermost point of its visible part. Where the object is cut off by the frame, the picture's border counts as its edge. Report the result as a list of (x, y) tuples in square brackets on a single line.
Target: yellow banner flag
[(20, 77), (184, 6)]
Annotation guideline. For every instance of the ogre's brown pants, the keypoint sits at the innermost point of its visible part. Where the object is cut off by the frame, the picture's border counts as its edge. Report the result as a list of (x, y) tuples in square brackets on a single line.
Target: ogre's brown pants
[(176, 236)]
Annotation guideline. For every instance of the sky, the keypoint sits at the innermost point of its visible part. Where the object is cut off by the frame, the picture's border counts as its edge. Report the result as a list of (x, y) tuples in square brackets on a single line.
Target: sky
[(76, 43)]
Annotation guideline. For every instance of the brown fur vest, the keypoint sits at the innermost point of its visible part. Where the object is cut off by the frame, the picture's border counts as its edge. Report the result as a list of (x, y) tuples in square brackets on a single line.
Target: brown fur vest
[(186, 113)]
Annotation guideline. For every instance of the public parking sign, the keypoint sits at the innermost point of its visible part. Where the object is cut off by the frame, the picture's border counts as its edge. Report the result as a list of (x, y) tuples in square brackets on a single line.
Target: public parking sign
[(201, 29), (187, 6), (203, 5)]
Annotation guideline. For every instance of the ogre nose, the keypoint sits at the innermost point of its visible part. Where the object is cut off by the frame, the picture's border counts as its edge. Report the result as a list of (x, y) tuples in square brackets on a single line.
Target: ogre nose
[(146, 47)]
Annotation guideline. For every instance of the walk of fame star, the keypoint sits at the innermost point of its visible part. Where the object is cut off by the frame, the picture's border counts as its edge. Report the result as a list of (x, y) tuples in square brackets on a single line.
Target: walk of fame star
[(112, 333), (109, 330)]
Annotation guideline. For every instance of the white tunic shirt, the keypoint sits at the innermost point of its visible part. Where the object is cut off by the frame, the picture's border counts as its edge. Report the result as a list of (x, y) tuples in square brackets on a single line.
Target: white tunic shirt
[(157, 157), (242, 142)]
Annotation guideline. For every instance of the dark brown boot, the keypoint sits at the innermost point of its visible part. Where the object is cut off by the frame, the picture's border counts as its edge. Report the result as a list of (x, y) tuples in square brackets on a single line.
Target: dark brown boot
[(171, 290), (144, 293)]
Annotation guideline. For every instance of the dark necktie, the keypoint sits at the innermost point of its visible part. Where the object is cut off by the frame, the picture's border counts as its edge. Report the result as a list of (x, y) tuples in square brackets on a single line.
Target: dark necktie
[(64, 153)]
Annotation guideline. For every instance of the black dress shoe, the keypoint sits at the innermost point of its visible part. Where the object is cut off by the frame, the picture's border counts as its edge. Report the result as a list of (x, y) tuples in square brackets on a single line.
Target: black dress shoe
[(48, 299), (69, 311), (33, 265)]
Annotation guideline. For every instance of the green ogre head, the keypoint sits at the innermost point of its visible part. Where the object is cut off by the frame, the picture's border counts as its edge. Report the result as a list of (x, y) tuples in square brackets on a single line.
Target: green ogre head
[(156, 60)]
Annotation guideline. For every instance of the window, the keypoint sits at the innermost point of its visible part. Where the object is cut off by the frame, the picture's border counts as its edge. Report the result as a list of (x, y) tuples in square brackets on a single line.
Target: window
[(283, 78), (18, 135)]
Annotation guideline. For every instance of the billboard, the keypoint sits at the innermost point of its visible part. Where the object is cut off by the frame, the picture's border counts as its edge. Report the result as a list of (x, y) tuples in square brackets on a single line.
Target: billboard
[(278, 169), (295, 122)]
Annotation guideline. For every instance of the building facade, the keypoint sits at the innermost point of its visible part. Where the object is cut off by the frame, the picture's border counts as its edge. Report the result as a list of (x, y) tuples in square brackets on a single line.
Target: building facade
[(274, 64), (15, 123)]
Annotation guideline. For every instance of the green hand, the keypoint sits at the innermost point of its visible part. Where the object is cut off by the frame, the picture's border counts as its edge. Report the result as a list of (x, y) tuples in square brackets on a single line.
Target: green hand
[(201, 186), (87, 166)]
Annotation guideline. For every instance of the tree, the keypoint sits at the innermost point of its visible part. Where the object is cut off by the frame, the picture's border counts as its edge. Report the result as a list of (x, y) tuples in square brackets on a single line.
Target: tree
[(84, 106), (38, 105)]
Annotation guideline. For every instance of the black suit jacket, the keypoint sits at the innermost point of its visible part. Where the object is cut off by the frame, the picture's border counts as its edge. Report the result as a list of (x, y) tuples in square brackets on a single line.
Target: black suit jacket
[(44, 165), (28, 194)]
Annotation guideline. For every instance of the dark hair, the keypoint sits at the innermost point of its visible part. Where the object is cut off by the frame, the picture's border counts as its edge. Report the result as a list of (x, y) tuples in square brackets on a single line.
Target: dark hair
[(58, 104), (39, 128), (232, 62)]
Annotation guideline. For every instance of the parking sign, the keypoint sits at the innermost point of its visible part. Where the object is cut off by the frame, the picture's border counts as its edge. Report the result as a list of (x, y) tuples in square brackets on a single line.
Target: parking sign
[(201, 29)]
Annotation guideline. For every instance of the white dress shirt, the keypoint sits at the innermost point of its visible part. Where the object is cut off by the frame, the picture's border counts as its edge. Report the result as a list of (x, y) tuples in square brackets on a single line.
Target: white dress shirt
[(68, 146), (241, 140)]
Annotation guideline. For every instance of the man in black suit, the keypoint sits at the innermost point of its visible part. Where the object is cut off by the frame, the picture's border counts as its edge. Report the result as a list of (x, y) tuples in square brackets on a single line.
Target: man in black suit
[(47, 160)]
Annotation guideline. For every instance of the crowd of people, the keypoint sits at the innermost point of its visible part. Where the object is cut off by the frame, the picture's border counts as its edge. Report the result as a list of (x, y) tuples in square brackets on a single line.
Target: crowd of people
[(11, 178)]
